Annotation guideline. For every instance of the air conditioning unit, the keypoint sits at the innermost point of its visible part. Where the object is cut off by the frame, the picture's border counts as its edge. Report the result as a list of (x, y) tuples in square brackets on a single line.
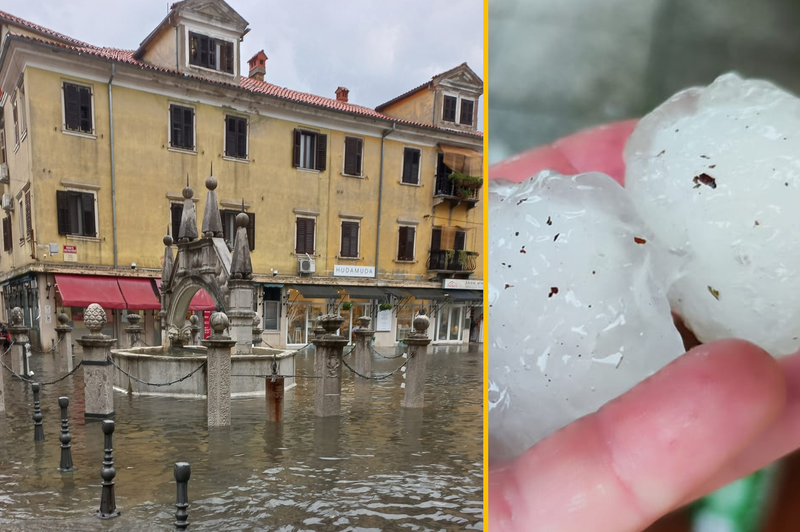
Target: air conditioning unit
[(8, 202), (4, 174), (304, 265)]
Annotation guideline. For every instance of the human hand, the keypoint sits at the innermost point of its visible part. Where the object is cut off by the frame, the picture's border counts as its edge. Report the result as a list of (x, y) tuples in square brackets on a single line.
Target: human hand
[(721, 411)]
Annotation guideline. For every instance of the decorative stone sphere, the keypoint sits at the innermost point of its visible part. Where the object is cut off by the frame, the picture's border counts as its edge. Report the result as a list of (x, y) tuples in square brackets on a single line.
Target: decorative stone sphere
[(421, 322), (219, 322), (242, 220), (194, 320), (211, 183), (62, 318), (95, 318), (16, 316), (188, 192), (167, 240)]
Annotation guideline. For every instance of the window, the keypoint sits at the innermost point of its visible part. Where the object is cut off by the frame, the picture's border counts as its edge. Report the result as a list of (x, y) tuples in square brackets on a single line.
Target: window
[(7, 237), (349, 239), (405, 244), (210, 53), (75, 213), (449, 108), (175, 214), (460, 241), (272, 308), (236, 137), (436, 239), (77, 108), (229, 227), (28, 215), (304, 236), (353, 148), (310, 150), (15, 114), (467, 109), (411, 166), (181, 127)]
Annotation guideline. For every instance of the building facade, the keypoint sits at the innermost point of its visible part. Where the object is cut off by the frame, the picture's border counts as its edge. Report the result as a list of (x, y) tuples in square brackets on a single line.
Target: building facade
[(352, 210)]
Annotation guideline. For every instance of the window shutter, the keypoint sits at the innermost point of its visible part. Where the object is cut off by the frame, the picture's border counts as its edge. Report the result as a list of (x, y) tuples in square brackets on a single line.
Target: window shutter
[(436, 239), (349, 239), (449, 113), (71, 107), (322, 152), (28, 217), (242, 137), (406, 166), (300, 235), (188, 128), (88, 215), (251, 230), (415, 166), (203, 51), (229, 57), (296, 151), (467, 108), (230, 136), (85, 109), (359, 152), (350, 167), (410, 243), (6, 233), (176, 214), (401, 244), (177, 126), (62, 207), (194, 49), (310, 235)]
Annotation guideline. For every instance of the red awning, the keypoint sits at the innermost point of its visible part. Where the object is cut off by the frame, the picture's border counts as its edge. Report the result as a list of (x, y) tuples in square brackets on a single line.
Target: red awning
[(83, 290), (200, 301), (139, 294)]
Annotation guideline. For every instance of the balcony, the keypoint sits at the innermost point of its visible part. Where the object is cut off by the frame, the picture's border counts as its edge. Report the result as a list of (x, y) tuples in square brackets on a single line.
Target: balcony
[(449, 260), (448, 189)]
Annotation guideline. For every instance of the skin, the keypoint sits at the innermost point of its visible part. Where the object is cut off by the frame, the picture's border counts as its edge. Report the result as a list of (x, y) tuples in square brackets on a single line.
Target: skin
[(721, 411)]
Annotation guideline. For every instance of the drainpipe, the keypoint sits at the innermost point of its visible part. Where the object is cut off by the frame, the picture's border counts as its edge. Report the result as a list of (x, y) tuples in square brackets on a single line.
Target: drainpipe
[(380, 196), (113, 178)]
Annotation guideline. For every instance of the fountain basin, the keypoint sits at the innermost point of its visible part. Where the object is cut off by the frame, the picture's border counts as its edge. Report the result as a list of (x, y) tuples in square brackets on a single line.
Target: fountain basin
[(154, 364)]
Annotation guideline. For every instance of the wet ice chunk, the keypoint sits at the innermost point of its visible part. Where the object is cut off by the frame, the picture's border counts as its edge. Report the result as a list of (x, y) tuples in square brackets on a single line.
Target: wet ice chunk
[(715, 172), (578, 312)]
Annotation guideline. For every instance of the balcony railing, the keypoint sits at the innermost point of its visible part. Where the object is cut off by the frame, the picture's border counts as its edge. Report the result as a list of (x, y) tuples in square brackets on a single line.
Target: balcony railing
[(448, 260), (445, 187)]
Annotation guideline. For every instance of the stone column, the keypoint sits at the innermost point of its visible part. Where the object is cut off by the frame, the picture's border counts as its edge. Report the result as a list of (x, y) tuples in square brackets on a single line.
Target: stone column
[(98, 373), (195, 325), (64, 347), (240, 314), (363, 337), (218, 371), (418, 342), (328, 367), (19, 335), (134, 331)]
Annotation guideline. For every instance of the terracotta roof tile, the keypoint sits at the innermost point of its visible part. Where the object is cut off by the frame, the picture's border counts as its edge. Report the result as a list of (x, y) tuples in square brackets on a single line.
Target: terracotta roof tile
[(41, 29)]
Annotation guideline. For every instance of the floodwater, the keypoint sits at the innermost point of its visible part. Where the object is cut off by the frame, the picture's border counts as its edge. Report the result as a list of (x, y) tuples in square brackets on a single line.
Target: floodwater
[(378, 467)]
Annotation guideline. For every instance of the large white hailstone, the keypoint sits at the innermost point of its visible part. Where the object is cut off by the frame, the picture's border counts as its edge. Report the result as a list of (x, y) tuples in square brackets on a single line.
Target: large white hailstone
[(715, 172), (577, 309)]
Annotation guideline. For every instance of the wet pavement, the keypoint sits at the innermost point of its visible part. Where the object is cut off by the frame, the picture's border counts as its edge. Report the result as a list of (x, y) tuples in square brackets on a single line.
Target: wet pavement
[(378, 467)]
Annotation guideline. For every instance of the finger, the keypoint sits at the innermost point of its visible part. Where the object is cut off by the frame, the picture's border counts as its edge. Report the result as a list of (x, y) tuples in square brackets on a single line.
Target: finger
[(596, 149), (641, 455), (779, 439)]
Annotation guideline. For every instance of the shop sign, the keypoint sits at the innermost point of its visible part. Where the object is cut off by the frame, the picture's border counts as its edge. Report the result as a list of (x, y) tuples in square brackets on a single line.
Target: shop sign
[(384, 323), (206, 324), (344, 270), (462, 284), (70, 253)]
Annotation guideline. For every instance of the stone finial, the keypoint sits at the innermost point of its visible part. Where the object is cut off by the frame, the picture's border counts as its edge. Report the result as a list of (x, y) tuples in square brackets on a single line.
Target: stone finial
[(95, 319), (169, 262), (16, 317), (219, 322), (364, 322), (194, 320), (212, 221), (188, 230), (241, 267), (133, 319), (421, 322), (62, 318), (256, 320), (167, 240), (330, 322)]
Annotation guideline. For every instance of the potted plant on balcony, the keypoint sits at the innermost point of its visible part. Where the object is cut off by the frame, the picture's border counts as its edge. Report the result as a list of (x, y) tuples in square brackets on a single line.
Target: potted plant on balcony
[(385, 306), (465, 185)]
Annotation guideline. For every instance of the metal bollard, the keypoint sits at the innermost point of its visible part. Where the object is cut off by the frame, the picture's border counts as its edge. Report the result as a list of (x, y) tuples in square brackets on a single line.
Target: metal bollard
[(38, 429), (274, 391), (108, 504), (66, 449), (182, 473)]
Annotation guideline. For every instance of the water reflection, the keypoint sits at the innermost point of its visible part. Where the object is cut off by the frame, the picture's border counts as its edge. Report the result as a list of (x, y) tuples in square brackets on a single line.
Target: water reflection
[(378, 467)]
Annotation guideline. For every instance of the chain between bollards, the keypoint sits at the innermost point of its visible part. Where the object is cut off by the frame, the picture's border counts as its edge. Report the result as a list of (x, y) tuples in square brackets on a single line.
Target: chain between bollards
[(376, 352), (182, 473), (38, 429), (137, 379), (378, 378), (66, 449), (108, 503)]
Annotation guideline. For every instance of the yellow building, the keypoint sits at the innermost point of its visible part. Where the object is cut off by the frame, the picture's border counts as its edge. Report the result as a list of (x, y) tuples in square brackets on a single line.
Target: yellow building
[(352, 208)]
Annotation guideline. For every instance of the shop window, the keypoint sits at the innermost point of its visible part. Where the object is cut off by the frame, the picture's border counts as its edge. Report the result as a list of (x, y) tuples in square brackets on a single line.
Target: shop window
[(272, 309)]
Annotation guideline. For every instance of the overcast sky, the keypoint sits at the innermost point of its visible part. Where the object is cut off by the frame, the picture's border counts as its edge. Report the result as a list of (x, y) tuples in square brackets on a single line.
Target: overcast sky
[(376, 48)]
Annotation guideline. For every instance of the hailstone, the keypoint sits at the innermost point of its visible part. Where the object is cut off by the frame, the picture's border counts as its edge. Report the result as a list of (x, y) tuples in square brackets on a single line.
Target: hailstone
[(715, 173), (577, 304)]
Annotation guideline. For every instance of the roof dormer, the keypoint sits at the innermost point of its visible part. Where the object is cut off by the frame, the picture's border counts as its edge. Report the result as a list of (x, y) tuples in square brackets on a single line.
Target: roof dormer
[(197, 37)]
